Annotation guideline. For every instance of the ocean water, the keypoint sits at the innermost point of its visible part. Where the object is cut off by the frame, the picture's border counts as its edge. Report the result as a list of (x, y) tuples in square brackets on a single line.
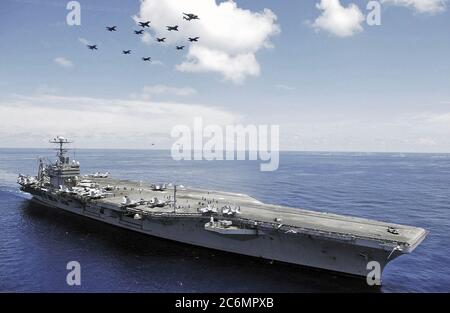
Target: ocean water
[(36, 243)]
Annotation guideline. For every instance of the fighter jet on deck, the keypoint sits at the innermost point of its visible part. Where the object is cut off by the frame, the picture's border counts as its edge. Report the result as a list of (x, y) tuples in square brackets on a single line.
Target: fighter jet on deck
[(126, 51), (190, 16), (161, 39), (92, 47), (144, 24), (112, 28), (194, 39), (180, 47), (146, 59), (139, 32), (170, 28)]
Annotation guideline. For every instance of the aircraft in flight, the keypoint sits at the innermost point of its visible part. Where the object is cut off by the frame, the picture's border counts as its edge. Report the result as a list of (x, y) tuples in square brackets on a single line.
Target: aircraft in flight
[(170, 28), (144, 24), (190, 16)]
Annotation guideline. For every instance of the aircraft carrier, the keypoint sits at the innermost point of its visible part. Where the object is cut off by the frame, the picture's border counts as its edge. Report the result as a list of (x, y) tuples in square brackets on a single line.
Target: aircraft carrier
[(224, 221)]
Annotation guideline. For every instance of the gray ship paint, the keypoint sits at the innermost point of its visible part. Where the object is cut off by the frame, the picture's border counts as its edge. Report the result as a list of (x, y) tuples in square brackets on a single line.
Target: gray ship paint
[(224, 221)]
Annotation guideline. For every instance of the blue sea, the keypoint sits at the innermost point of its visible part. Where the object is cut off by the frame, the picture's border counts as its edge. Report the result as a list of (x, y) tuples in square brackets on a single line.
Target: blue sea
[(36, 243)]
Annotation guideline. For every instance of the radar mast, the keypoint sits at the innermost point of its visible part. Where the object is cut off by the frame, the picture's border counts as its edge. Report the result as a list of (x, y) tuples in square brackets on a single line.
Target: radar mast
[(61, 151)]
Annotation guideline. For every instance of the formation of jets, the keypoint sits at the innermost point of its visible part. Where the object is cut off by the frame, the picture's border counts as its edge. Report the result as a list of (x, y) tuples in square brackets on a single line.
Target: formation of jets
[(146, 24)]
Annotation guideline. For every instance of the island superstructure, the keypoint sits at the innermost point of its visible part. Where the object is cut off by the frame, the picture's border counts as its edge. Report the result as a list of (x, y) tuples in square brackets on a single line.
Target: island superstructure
[(226, 221)]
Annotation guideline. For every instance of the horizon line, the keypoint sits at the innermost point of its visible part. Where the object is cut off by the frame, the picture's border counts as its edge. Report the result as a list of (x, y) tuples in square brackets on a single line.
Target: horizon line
[(281, 150)]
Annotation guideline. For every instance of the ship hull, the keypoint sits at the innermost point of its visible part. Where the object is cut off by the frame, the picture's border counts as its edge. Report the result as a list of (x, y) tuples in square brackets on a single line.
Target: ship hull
[(302, 249)]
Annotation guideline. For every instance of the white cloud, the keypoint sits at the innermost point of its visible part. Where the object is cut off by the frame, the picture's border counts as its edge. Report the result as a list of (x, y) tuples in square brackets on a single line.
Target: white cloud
[(147, 38), (427, 132), (420, 6), (443, 118), (64, 62), (285, 87), (157, 62), (45, 89), (149, 91), (103, 122), (234, 68), (339, 20), (426, 141), (84, 41), (123, 123), (229, 36)]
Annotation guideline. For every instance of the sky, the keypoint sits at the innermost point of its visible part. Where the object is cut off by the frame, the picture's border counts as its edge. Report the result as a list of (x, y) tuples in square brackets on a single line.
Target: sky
[(316, 68)]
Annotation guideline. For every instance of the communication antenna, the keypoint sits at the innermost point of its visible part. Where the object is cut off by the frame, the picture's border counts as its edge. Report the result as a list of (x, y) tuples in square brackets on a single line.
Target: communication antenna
[(61, 141)]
